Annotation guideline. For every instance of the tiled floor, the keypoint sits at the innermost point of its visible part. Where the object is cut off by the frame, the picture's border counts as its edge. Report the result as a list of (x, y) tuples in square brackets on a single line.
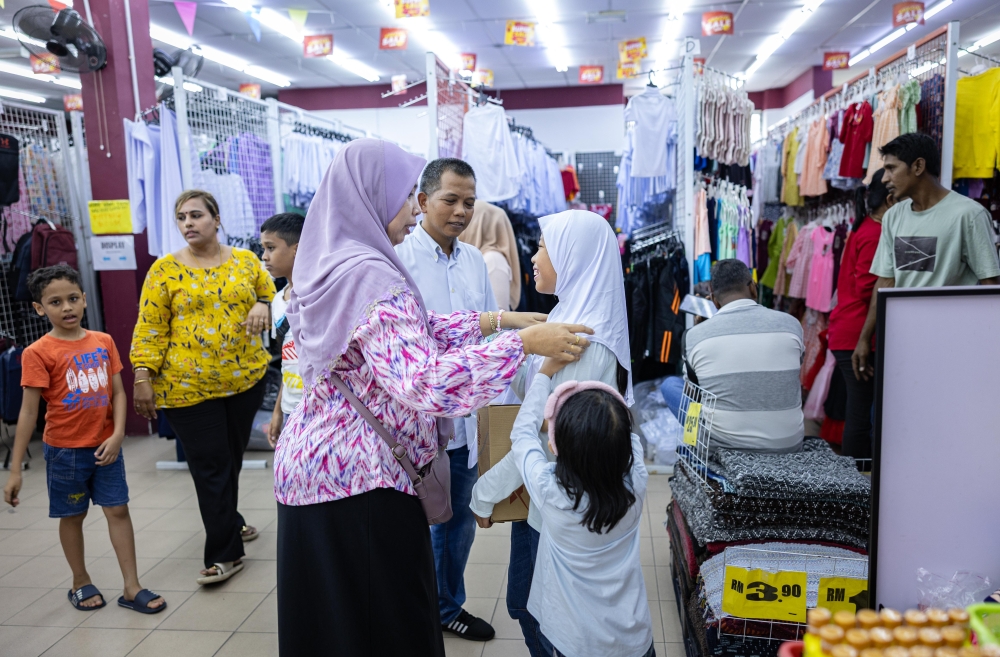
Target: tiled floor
[(238, 617)]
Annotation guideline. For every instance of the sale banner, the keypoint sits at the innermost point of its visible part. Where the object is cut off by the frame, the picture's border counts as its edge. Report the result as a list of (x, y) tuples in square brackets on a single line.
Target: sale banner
[(44, 64), (632, 50), (627, 70), (716, 23), (699, 65), (392, 38), (843, 594), (833, 61), (73, 103), (468, 61), (591, 75), (317, 45), (482, 78), (519, 33), (399, 83), (904, 13), (251, 89), (412, 8), (764, 595)]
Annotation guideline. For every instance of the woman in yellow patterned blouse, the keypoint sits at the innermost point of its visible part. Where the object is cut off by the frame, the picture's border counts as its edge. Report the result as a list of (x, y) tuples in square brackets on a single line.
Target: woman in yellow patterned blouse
[(198, 354)]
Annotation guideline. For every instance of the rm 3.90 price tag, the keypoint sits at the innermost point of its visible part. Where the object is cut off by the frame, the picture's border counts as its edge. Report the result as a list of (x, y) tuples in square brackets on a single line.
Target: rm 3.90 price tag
[(760, 594)]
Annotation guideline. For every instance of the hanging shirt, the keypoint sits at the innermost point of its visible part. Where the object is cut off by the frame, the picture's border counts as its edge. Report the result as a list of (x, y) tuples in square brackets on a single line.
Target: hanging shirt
[(652, 113), (820, 288), (977, 125), (790, 188), (886, 128), (450, 284), (952, 243), (856, 135), (169, 239), (488, 148)]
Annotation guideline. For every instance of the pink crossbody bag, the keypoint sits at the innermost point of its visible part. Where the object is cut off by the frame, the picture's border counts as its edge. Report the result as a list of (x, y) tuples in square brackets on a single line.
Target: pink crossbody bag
[(433, 481)]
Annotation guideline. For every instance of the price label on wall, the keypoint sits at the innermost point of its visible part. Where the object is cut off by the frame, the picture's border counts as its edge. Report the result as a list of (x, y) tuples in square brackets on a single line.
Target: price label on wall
[(691, 424), (843, 594), (769, 596)]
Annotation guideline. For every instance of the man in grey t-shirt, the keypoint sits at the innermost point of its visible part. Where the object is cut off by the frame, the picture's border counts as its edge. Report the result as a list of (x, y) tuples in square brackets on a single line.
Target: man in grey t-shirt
[(932, 237)]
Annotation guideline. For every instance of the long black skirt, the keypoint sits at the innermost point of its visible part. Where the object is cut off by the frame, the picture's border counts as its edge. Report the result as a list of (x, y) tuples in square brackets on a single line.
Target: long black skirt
[(356, 579)]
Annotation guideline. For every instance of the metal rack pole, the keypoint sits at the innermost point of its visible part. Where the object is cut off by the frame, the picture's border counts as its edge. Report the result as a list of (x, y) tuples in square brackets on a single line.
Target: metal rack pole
[(685, 149), (432, 105), (950, 96), (183, 128), (274, 137)]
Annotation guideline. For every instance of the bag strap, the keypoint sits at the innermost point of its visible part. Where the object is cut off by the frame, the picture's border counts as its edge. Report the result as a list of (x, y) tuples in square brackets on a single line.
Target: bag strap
[(397, 450)]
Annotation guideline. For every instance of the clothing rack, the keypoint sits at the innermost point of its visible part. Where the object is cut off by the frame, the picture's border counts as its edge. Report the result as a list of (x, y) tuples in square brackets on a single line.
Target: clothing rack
[(639, 245)]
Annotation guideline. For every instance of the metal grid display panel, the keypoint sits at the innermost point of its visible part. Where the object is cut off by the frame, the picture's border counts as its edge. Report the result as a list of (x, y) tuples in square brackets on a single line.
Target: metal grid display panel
[(598, 177), (229, 135), (452, 104), (695, 457), (45, 193)]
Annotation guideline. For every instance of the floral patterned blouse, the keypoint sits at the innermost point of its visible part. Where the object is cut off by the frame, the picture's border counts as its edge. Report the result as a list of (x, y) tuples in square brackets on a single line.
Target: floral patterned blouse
[(406, 376), (189, 331)]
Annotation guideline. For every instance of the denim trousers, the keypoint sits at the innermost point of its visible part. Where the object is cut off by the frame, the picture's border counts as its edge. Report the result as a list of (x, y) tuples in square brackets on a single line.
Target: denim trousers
[(452, 540), (523, 550), (672, 390)]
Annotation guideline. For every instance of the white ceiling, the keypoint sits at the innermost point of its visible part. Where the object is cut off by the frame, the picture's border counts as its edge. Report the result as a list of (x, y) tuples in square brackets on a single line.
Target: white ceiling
[(478, 26)]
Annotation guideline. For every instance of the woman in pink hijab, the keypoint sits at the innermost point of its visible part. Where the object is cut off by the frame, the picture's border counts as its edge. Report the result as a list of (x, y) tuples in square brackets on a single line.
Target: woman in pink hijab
[(355, 566)]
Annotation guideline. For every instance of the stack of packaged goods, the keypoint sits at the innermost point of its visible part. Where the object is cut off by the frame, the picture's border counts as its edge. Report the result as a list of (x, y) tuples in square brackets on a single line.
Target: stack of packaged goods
[(888, 633)]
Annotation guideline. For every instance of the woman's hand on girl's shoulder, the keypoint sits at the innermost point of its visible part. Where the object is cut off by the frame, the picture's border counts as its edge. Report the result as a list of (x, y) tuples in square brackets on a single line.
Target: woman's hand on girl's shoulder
[(515, 321)]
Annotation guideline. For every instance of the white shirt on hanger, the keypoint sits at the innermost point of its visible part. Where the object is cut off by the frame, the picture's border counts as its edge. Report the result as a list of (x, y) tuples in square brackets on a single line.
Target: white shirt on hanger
[(652, 113), (489, 149)]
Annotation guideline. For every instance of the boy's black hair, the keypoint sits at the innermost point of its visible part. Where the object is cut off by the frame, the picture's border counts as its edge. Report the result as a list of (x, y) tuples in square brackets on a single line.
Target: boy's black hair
[(40, 279), (869, 199), (286, 225), (430, 179), (594, 439), (912, 146)]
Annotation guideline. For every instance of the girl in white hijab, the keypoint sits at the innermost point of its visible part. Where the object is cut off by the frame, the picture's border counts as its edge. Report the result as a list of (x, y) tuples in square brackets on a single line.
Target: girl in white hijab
[(579, 261)]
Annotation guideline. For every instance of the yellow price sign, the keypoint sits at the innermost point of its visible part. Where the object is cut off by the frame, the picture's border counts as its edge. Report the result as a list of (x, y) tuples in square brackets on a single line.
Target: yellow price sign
[(691, 424), (769, 596), (843, 594), (110, 217)]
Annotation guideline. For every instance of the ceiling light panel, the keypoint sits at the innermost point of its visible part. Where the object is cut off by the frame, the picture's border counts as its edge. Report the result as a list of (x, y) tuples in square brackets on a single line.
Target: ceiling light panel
[(21, 95), (788, 28), (218, 56), (895, 34)]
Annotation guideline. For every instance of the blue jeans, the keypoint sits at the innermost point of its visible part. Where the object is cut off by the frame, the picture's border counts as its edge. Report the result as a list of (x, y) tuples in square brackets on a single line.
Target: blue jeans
[(523, 551), (452, 540), (672, 390), (74, 479)]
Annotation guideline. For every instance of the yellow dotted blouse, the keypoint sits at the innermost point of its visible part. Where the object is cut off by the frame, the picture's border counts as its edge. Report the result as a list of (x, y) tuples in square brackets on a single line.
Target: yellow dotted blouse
[(189, 331)]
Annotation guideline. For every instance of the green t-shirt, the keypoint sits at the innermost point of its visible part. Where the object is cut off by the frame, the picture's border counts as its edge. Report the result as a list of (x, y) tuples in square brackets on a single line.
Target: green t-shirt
[(952, 243)]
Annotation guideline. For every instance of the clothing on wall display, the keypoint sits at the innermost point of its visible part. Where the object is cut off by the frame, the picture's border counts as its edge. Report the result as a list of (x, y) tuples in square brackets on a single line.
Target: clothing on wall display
[(488, 147), (305, 159), (654, 115), (977, 125)]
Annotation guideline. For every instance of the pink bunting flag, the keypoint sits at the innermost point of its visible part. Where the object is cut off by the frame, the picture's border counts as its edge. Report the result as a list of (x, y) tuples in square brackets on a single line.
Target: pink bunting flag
[(187, 10)]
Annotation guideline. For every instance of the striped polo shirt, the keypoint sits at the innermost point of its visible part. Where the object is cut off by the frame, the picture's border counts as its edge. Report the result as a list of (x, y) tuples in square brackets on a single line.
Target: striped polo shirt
[(749, 357)]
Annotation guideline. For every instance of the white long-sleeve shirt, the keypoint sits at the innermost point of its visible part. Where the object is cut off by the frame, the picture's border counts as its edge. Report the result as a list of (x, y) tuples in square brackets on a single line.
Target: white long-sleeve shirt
[(588, 592), (598, 363)]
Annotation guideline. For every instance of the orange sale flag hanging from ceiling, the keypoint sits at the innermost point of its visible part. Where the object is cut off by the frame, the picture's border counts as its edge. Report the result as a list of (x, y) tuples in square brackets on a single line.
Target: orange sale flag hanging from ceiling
[(833, 61), (591, 75), (632, 50), (716, 23), (251, 89), (519, 33), (904, 13), (73, 103), (392, 38), (399, 83), (468, 61), (412, 8), (483, 77), (44, 64), (317, 45), (628, 70)]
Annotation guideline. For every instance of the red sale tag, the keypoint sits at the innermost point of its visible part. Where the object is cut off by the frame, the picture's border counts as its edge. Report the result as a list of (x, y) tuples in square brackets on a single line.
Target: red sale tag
[(904, 13), (317, 45), (591, 75), (392, 38), (833, 61), (715, 23)]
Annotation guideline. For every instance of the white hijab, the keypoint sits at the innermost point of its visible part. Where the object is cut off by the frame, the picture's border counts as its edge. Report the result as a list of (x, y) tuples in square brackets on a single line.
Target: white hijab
[(590, 286)]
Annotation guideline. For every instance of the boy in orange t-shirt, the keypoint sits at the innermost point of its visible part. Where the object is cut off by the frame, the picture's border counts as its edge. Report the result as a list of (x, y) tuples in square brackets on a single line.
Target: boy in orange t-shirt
[(78, 373)]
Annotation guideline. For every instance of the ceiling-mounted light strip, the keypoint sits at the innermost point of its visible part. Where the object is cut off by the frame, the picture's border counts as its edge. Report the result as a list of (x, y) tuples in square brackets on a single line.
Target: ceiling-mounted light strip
[(982, 43), (188, 86), (774, 42), (20, 95), (218, 56), (553, 34), (354, 66), (25, 72), (895, 34)]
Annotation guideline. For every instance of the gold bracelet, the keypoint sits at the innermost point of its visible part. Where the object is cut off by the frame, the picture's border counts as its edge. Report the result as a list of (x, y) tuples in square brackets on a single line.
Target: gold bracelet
[(493, 325), (138, 381)]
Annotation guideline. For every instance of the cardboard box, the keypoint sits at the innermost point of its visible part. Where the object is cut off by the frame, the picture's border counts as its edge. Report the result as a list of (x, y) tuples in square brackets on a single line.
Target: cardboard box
[(494, 425)]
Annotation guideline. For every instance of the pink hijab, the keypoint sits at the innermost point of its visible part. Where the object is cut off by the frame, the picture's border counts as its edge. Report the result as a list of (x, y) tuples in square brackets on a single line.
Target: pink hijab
[(345, 261)]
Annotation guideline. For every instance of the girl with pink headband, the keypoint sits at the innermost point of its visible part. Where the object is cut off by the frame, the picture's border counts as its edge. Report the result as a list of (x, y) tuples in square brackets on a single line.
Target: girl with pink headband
[(588, 592)]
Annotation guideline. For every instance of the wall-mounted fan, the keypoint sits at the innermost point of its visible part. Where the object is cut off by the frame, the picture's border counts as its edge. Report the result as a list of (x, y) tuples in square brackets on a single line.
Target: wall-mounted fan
[(163, 66), (64, 34)]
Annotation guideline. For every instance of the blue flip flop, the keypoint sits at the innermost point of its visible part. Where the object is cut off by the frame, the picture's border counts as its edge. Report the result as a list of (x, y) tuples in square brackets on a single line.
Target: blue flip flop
[(141, 602), (85, 592)]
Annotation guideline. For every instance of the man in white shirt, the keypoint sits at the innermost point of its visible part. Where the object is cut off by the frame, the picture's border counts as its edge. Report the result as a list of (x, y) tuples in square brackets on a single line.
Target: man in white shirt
[(452, 276)]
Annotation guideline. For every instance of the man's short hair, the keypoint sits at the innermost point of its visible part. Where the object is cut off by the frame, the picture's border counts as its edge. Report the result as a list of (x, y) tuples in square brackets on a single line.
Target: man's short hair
[(909, 147), (430, 180), (729, 276), (286, 225)]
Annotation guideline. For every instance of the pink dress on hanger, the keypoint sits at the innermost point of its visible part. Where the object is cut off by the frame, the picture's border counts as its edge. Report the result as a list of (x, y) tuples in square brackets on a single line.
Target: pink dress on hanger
[(820, 290), (798, 262)]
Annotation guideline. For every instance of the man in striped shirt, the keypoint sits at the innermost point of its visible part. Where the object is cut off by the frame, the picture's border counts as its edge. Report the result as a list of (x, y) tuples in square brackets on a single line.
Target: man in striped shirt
[(749, 357)]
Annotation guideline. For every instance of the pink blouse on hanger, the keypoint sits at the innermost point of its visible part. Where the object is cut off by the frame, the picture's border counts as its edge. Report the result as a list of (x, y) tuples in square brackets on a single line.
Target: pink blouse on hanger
[(820, 290), (798, 262)]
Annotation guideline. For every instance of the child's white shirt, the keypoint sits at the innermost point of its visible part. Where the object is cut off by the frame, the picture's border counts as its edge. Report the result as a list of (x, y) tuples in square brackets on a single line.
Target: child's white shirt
[(588, 592)]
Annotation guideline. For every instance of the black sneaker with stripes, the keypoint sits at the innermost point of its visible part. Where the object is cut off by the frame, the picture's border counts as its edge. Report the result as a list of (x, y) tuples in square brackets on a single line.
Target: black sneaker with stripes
[(469, 627)]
